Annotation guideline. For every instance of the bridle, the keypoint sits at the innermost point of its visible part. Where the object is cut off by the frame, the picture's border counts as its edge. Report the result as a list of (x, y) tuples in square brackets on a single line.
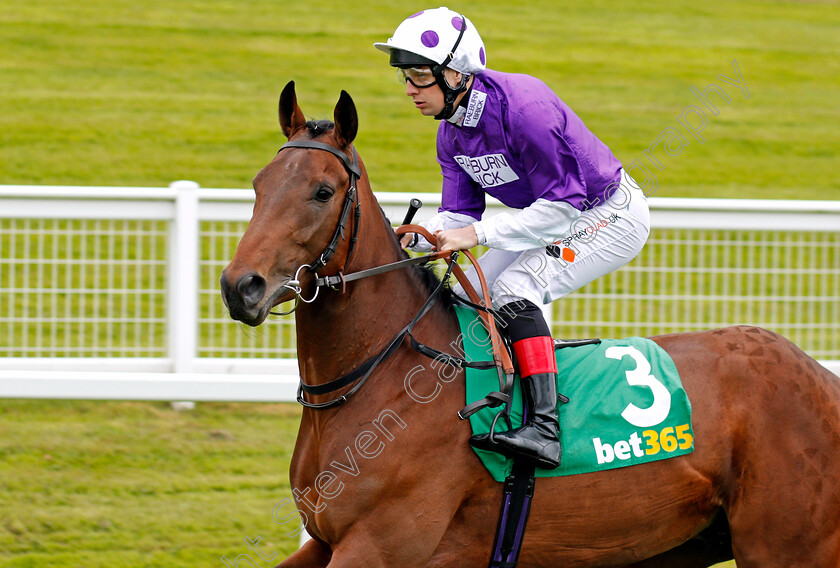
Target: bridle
[(351, 202), (501, 361)]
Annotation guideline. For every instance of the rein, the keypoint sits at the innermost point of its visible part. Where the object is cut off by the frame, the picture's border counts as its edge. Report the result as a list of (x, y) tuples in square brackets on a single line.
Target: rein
[(343, 279), (362, 373), (501, 358)]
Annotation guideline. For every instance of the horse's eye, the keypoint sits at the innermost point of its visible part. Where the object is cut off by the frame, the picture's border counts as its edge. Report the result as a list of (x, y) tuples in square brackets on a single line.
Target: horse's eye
[(323, 194)]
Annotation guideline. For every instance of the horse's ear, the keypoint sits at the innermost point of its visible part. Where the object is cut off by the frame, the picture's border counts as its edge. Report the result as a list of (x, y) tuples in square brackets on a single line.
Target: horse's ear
[(291, 117), (346, 120)]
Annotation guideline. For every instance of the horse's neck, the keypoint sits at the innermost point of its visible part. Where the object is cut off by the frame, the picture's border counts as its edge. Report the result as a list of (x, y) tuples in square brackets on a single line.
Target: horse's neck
[(340, 331)]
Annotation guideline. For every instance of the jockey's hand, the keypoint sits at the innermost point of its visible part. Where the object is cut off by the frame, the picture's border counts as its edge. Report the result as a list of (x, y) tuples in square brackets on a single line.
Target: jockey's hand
[(405, 240), (457, 239)]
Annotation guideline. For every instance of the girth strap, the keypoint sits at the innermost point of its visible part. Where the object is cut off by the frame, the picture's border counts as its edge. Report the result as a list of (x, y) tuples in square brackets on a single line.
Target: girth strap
[(513, 517)]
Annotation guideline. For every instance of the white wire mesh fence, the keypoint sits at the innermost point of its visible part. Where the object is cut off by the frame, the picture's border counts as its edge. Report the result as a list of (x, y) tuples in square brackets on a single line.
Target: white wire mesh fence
[(82, 288), (101, 274), (693, 279), (218, 336)]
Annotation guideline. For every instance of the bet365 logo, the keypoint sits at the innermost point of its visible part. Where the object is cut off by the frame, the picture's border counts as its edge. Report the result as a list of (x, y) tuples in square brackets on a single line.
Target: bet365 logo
[(651, 441)]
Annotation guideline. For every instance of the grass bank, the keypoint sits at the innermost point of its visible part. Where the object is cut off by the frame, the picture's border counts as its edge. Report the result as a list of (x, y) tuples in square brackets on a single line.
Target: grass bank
[(119, 484), (126, 93)]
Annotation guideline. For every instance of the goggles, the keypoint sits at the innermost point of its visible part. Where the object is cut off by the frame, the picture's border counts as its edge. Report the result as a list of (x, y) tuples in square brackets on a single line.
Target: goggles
[(420, 77)]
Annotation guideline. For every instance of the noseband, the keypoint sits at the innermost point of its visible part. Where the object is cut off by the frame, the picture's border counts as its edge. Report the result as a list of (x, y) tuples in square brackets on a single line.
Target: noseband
[(350, 202)]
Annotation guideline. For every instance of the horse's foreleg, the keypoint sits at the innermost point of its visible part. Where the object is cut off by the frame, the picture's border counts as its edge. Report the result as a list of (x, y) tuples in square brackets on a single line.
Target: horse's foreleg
[(315, 554), (312, 554)]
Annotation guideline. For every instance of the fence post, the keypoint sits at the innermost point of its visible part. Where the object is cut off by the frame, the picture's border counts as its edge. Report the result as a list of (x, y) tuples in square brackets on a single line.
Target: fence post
[(183, 277)]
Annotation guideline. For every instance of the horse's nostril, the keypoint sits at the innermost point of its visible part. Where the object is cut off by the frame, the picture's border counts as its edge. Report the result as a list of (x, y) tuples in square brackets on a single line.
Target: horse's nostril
[(251, 288), (225, 285)]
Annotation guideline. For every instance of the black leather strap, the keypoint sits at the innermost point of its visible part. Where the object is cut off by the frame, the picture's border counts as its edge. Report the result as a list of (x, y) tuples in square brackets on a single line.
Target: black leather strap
[(492, 400), (350, 201), (342, 279), (364, 372), (357, 373), (351, 166), (328, 253)]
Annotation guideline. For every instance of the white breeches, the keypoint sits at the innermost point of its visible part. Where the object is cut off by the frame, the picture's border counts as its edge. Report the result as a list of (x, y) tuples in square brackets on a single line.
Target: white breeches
[(602, 240)]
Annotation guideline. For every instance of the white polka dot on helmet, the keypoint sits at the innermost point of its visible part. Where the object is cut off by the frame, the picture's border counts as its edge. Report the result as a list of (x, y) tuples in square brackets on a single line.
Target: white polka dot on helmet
[(431, 34)]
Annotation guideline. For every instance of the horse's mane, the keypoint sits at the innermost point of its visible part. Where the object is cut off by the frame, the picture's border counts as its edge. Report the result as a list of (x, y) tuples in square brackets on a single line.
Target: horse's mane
[(424, 274)]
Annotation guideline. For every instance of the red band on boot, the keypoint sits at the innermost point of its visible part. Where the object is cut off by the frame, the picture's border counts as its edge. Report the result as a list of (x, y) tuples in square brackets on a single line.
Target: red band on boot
[(535, 355)]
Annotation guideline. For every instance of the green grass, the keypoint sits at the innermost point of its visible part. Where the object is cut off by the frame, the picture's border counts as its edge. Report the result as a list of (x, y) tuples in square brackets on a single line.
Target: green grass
[(118, 484), (138, 485), (143, 93), (126, 93)]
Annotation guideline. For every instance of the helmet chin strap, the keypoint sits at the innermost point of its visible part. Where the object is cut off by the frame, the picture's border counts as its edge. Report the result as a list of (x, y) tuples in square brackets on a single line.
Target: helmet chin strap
[(450, 94)]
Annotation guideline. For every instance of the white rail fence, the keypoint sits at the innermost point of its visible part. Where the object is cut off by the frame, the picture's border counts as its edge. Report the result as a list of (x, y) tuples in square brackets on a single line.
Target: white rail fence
[(112, 292)]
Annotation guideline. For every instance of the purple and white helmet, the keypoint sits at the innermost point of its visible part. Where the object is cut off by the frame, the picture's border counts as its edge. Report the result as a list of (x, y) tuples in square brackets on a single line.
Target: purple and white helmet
[(431, 35)]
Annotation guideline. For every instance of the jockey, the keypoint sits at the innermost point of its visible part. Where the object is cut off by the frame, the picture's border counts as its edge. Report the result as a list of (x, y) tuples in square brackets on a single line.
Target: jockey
[(576, 214)]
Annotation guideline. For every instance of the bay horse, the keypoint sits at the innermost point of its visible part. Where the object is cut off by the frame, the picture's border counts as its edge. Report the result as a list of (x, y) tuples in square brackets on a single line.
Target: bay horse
[(388, 480)]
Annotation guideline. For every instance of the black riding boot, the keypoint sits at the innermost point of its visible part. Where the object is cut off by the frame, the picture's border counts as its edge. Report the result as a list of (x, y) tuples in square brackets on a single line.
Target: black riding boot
[(538, 440)]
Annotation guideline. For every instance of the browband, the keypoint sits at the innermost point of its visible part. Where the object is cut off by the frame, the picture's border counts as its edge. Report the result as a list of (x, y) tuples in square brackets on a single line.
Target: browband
[(352, 166)]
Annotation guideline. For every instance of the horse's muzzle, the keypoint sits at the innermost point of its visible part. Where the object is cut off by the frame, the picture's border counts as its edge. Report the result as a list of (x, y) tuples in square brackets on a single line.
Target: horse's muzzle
[(244, 298)]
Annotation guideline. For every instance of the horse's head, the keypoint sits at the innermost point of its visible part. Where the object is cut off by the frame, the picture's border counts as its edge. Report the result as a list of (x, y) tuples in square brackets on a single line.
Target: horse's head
[(300, 198)]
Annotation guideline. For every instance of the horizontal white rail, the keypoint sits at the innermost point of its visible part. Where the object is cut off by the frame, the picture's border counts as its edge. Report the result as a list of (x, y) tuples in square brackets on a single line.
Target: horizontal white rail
[(182, 369), (147, 386), (60, 202), (134, 385)]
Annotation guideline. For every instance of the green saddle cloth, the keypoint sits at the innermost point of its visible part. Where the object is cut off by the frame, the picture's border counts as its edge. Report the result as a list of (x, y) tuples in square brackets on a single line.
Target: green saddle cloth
[(626, 403)]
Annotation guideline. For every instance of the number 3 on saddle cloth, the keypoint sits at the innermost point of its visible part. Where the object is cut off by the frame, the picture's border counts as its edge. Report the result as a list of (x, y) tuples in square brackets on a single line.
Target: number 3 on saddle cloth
[(626, 404)]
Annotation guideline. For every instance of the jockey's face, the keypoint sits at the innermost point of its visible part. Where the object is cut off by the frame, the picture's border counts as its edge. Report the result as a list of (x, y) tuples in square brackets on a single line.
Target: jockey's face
[(428, 99)]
